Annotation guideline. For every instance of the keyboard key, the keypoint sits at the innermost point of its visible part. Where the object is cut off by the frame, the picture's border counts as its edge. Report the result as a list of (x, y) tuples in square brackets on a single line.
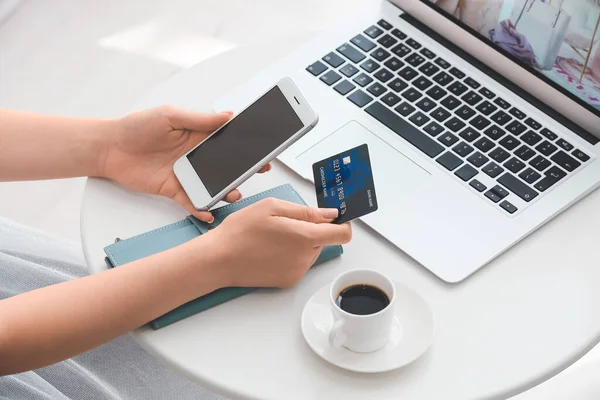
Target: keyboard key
[(448, 139), (490, 194), (508, 207), (449, 161), (363, 79), (546, 148), (415, 59), (581, 155), (442, 63), (469, 134), (360, 98), (344, 87), (401, 50), (369, 65), (376, 89), (516, 186), (419, 119), (457, 88), (394, 64), (414, 44), (471, 98), (529, 175), (564, 144), (486, 108), (494, 132), (499, 154), (501, 118), (524, 153), (478, 159), (462, 149), (436, 92), (551, 177), (380, 54), (514, 165), (455, 124), (412, 95), (502, 103), (516, 128), (480, 187), (404, 129), (433, 129), (440, 114), (383, 75), (472, 83), (351, 53), (405, 109), (427, 53), (387, 40), (510, 142), (480, 122), (390, 99), (500, 191), (316, 68), (531, 138), (549, 134), (362, 43), (533, 124), (487, 93), (399, 34), (330, 77), (443, 79), (426, 104), (566, 161), (465, 112), (349, 70), (492, 169), (333, 59), (422, 83), (397, 85), (457, 73), (540, 163), (484, 144), (373, 32), (466, 172), (451, 102), (408, 73), (515, 112), (384, 24)]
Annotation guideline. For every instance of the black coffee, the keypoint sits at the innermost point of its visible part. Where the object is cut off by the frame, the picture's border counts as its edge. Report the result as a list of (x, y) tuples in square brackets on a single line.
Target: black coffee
[(362, 299)]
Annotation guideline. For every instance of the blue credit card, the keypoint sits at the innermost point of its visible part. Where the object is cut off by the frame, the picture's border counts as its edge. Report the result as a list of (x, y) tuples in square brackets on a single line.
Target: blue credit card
[(345, 182)]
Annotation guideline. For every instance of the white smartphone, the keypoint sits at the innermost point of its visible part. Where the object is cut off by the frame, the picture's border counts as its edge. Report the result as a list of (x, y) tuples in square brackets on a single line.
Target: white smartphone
[(241, 147)]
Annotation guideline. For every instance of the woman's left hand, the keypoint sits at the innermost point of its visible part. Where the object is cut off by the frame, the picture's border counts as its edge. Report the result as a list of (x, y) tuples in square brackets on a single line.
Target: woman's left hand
[(140, 155)]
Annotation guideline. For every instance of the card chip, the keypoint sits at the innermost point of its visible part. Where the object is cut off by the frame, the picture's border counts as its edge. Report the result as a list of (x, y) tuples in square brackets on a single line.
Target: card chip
[(346, 160)]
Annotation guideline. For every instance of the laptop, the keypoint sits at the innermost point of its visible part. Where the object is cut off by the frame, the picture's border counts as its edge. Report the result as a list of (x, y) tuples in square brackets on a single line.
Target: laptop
[(482, 118)]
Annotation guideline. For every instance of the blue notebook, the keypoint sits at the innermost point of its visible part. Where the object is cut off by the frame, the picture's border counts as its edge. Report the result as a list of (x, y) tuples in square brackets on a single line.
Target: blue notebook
[(149, 243)]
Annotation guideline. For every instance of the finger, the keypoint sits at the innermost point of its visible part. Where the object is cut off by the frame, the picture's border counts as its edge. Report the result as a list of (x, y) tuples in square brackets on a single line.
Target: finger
[(233, 196), (301, 212), (266, 168), (329, 234), (196, 121), (182, 198)]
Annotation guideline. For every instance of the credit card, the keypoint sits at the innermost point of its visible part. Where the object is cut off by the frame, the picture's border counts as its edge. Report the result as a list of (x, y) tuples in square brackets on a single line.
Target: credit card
[(345, 182)]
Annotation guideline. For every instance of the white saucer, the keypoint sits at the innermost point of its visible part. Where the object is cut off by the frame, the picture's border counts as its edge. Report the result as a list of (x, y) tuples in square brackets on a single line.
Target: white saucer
[(412, 333)]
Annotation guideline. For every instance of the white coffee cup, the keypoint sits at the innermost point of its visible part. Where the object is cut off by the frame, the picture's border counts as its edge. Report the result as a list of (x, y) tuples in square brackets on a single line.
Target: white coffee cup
[(361, 333)]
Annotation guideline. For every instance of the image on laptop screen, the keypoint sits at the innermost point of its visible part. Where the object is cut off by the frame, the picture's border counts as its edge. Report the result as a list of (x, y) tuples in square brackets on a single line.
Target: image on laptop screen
[(557, 38)]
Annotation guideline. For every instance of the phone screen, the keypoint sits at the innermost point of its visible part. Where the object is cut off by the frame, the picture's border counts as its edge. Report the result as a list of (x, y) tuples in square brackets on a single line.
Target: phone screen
[(244, 141)]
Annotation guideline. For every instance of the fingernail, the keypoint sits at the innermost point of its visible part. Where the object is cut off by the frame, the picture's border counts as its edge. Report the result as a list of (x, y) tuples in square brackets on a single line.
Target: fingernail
[(212, 219), (228, 112), (329, 213), (239, 195)]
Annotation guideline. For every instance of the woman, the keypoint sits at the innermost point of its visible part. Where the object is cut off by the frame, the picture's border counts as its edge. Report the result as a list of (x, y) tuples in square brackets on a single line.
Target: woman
[(48, 316)]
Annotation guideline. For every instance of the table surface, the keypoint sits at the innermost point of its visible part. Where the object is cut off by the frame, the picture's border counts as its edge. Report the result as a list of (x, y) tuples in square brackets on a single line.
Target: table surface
[(519, 321)]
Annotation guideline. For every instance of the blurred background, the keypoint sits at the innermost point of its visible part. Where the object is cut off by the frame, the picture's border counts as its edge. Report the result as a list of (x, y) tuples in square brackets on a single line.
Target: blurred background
[(98, 58)]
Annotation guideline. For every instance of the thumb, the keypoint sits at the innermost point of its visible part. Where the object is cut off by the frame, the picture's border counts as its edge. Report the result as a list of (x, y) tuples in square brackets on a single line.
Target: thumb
[(304, 213), (197, 121)]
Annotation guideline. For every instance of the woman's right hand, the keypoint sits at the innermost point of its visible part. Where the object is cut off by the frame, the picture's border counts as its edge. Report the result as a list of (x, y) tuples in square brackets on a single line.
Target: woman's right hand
[(272, 243)]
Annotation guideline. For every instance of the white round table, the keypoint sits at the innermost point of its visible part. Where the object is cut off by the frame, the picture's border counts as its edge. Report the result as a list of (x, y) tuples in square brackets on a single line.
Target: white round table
[(519, 321)]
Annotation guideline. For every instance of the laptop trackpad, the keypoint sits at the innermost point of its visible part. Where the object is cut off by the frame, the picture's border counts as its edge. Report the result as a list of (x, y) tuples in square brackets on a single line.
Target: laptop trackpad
[(395, 175)]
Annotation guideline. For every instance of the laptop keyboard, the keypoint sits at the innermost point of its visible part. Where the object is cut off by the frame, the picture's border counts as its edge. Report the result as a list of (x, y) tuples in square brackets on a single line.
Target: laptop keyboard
[(447, 115)]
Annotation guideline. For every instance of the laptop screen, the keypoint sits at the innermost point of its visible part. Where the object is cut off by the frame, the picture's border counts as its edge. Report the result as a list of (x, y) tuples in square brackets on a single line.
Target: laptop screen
[(556, 39)]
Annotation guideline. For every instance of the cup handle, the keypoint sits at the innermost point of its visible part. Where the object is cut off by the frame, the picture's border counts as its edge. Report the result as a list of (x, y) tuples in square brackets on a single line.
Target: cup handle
[(336, 337)]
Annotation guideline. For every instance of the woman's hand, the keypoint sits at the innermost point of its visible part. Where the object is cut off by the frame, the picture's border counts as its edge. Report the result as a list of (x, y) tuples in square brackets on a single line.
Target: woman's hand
[(140, 154), (271, 243)]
